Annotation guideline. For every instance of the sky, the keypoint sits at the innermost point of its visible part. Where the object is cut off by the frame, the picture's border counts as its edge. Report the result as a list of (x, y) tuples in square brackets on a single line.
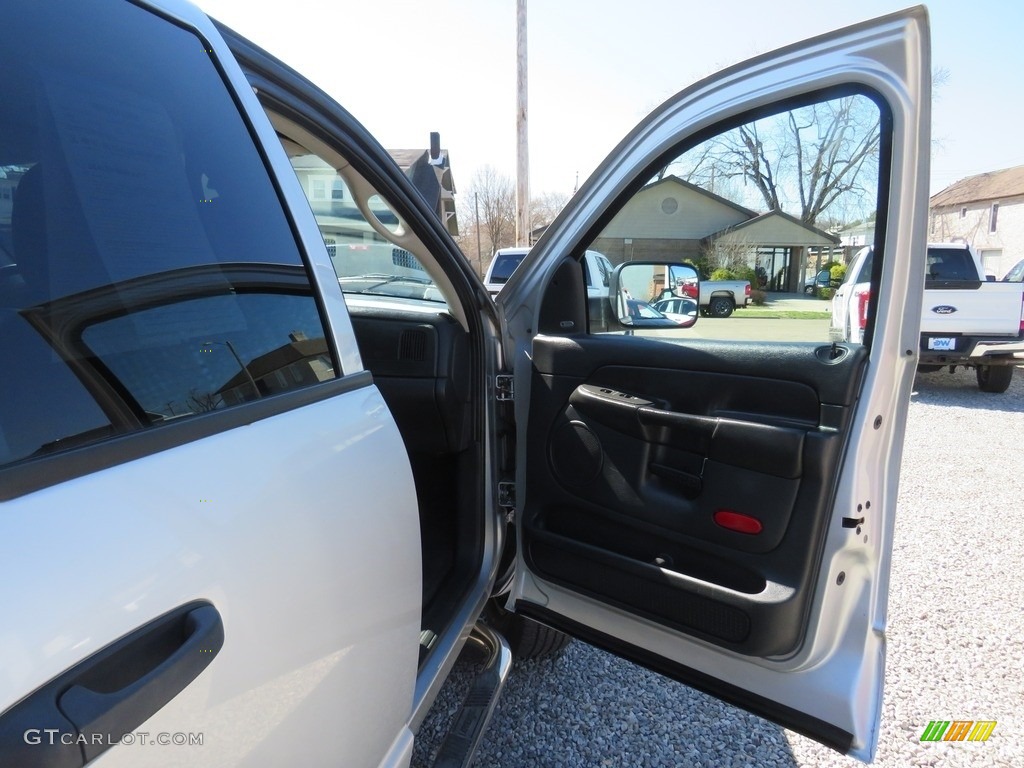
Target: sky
[(405, 68)]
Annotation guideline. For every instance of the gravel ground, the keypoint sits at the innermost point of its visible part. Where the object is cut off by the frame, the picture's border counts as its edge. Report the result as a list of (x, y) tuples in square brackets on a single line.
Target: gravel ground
[(956, 631)]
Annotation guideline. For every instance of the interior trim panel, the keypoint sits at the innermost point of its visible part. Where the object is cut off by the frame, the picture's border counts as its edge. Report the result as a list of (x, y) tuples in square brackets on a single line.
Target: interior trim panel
[(686, 483)]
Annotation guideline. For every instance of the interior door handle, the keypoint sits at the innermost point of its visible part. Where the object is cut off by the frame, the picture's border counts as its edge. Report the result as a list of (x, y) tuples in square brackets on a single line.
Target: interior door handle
[(113, 691)]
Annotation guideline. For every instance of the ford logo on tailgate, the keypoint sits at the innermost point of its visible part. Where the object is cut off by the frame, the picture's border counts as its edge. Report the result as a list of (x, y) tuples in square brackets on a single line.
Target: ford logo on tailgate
[(944, 309)]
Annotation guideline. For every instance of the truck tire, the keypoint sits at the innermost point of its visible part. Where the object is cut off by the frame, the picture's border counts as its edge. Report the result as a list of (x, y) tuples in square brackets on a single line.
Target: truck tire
[(720, 306), (994, 378), (528, 639)]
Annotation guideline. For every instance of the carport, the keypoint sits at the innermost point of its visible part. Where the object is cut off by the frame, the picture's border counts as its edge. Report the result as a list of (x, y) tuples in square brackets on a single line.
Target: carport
[(775, 242)]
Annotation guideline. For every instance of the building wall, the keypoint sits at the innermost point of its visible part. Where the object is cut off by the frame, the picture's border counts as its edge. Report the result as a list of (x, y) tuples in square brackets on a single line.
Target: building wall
[(620, 249), (971, 222), (671, 211)]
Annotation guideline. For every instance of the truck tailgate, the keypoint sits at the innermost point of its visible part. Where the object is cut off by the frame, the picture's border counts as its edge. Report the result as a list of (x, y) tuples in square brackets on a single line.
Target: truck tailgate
[(973, 308)]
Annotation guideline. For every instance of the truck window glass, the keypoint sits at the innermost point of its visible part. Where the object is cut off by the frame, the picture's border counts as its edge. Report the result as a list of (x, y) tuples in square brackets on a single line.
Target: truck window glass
[(762, 209), (150, 273), (950, 264), (361, 240)]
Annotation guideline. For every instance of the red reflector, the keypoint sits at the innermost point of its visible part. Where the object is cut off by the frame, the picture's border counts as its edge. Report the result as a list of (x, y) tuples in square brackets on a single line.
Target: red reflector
[(734, 521)]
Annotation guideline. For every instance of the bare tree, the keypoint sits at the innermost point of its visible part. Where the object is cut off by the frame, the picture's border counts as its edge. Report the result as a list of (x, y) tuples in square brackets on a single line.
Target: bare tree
[(492, 195), (814, 156), (835, 142), (201, 402), (545, 208)]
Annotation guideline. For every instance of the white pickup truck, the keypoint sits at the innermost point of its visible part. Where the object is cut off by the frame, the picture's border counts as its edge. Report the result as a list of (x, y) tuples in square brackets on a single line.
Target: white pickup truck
[(965, 319), (719, 298), (262, 478)]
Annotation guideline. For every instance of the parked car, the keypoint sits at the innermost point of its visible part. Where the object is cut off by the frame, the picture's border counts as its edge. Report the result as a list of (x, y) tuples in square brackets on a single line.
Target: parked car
[(823, 279), (966, 320), (676, 308), (643, 315), (259, 496), (1016, 273)]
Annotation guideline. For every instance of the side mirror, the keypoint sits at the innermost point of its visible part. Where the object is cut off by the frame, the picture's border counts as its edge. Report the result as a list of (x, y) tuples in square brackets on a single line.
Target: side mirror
[(650, 295)]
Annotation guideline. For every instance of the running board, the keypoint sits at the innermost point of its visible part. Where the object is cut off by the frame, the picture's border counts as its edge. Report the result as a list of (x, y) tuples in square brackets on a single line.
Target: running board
[(468, 725)]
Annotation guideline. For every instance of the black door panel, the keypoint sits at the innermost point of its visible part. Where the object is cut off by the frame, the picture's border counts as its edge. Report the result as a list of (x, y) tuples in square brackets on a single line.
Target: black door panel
[(682, 483)]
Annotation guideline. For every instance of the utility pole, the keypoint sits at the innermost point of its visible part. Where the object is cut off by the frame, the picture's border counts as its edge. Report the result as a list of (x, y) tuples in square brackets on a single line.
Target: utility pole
[(522, 140), (479, 248)]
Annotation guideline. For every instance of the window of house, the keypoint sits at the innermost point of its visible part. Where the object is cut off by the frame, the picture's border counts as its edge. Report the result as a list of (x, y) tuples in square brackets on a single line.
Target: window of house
[(318, 190), (338, 190), (993, 218), (963, 212), (991, 261)]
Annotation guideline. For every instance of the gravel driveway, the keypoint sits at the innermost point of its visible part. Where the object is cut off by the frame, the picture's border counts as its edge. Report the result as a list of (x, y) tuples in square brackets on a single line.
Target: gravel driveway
[(956, 630)]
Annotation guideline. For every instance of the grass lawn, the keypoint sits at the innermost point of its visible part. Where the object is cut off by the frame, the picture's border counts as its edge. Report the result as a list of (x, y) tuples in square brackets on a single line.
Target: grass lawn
[(781, 314)]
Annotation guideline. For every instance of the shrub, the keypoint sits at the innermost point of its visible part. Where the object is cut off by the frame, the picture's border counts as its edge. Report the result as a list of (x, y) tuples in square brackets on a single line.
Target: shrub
[(723, 273), (757, 297), (837, 273), (826, 293), (748, 274)]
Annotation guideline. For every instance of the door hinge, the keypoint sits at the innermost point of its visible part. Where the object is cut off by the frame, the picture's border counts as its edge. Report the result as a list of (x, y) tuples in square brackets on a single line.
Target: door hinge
[(504, 387), (507, 498)]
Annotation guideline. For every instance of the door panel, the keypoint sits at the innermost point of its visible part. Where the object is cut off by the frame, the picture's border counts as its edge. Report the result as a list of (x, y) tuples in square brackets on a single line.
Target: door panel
[(688, 496), (183, 419), (717, 502)]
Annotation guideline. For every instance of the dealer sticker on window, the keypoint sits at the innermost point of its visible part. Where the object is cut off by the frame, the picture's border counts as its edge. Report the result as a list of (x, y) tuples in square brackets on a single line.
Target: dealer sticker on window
[(944, 345)]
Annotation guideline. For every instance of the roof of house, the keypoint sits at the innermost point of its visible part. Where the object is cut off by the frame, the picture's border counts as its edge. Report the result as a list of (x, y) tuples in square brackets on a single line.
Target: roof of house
[(775, 228), (993, 185), (430, 172)]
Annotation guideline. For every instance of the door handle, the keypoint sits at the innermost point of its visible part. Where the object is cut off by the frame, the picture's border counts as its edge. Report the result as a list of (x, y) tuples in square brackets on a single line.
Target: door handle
[(113, 691)]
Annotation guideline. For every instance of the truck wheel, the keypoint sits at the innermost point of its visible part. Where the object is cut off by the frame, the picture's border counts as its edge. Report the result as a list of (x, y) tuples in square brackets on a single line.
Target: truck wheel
[(527, 638), (994, 378), (720, 306)]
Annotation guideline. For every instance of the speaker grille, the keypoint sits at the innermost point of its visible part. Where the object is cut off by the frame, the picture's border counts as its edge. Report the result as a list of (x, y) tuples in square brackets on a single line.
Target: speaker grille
[(412, 345)]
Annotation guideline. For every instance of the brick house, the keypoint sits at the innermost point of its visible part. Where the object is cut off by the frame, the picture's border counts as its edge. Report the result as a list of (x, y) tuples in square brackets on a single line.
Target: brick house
[(986, 211)]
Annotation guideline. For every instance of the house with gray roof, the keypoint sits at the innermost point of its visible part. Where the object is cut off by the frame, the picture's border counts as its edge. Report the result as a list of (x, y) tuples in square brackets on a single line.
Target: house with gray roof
[(674, 219)]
